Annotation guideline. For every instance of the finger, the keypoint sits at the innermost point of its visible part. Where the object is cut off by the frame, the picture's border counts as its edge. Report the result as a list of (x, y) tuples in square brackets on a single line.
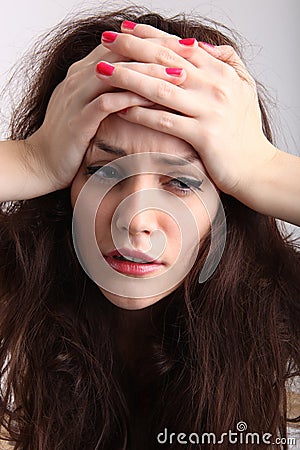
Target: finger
[(82, 92), (108, 103), (228, 55), (157, 90), (187, 49), (164, 121), (225, 53), (175, 75), (143, 31), (82, 87), (168, 52), (97, 54), (149, 32)]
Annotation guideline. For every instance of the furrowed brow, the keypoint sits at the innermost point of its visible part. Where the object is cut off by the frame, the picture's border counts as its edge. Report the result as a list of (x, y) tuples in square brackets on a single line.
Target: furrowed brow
[(116, 151), (181, 160)]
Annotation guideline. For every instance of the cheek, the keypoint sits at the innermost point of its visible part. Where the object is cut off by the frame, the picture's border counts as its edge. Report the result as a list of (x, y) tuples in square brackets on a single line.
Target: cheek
[(203, 221), (201, 226), (104, 218), (173, 235), (205, 210)]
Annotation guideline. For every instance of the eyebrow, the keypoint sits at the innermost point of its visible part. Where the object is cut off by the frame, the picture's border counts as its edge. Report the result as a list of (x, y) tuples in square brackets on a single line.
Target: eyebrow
[(117, 151)]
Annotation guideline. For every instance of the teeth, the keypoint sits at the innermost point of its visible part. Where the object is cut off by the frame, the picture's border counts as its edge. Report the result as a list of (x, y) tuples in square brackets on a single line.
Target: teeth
[(129, 258), (136, 259)]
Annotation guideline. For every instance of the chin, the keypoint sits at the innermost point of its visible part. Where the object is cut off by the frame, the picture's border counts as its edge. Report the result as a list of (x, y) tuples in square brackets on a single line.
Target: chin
[(132, 303)]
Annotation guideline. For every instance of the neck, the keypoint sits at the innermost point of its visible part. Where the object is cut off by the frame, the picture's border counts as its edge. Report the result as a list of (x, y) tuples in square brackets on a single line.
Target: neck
[(145, 319), (133, 330)]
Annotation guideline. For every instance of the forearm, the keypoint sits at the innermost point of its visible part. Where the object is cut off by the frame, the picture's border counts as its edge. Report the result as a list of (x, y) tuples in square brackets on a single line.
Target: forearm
[(275, 189), (19, 177)]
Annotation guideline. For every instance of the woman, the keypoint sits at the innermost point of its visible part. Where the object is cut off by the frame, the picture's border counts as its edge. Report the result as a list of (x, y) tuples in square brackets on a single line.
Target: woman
[(30, 168), (81, 367)]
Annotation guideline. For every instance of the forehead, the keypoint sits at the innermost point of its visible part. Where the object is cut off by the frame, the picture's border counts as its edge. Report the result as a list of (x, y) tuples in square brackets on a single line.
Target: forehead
[(132, 138)]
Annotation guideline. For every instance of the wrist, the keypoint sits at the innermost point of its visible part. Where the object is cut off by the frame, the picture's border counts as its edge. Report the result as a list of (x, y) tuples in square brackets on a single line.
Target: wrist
[(38, 179), (20, 178), (38, 163), (256, 184), (273, 188)]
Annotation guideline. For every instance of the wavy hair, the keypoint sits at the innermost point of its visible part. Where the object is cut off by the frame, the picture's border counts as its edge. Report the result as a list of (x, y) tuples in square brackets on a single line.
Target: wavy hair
[(221, 352)]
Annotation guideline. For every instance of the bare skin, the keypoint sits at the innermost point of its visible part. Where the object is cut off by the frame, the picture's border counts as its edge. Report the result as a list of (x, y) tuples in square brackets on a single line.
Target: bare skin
[(228, 135)]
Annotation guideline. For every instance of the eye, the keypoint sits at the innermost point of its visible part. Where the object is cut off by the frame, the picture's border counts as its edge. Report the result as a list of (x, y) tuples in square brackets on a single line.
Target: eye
[(185, 185), (105, 172)]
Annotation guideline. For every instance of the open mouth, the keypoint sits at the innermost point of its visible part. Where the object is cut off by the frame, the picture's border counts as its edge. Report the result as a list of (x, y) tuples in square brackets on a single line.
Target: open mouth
[(135, 263), (131, 259)]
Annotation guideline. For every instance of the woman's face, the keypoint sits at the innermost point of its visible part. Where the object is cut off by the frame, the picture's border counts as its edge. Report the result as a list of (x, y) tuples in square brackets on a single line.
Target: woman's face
[(134, 225)]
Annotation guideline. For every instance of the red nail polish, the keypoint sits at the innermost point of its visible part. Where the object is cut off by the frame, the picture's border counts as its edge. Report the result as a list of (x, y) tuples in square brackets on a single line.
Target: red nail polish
[(174, 71), (105, 69), (109, 36), (206, 43), (123, 111), (129, 25), (187, 41)]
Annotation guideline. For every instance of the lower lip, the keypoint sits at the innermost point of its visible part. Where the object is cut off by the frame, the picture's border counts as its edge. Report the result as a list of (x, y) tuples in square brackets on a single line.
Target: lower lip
[(132, 268)]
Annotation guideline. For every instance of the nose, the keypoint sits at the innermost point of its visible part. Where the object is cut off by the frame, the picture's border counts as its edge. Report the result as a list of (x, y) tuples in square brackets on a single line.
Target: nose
[(137, 214)]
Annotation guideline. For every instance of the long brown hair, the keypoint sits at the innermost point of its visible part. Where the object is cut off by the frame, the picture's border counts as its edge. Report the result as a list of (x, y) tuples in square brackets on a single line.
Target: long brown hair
[(224, 349)]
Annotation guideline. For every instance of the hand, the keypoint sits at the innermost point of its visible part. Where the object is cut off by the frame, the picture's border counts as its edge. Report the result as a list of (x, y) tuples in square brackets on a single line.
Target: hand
[(218, 102), (76, 108), (49, 159)]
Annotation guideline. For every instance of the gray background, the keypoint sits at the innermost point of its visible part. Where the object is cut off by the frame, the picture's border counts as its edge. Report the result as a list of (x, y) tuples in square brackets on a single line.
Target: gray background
[(271, 44)]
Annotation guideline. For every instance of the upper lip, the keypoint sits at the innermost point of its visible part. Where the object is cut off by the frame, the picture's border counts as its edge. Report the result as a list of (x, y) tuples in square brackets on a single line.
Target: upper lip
[(133, 254)]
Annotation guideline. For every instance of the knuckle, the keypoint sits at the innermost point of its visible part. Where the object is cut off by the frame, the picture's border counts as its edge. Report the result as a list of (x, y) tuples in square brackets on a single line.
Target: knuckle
[(70, 83), (104, 103), (165, 56), (126, 41), (136, 114), (165, 122), (151, 68), (228, 50), (165, 90), (220, 93), (167, 41), (73, 68), (123, 76), (98, 54)]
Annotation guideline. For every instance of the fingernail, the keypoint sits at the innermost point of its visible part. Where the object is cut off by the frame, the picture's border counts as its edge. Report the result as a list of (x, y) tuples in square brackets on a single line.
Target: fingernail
[(104, 68), (109, 36), (123, 111), (129, 25), (206, 43), (187, 41), (174, 71)]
